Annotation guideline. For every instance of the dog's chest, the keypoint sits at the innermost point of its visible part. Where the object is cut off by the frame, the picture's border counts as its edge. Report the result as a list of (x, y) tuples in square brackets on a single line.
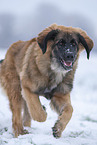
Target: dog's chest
[(54, 81), (58, 79)]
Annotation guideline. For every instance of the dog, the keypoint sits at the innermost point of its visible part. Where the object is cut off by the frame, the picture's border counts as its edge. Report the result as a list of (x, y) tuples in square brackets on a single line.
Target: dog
[(44, 66)]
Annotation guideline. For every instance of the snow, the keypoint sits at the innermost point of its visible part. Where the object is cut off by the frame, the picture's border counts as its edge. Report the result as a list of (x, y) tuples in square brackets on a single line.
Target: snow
[(82, 128)]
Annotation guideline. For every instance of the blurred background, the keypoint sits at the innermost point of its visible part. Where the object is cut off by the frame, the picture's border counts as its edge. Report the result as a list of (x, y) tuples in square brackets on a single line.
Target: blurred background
[(24, 19)]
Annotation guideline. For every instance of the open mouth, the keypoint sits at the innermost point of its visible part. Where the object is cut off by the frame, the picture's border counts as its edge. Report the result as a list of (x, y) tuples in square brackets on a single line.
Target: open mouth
[(66, 64)]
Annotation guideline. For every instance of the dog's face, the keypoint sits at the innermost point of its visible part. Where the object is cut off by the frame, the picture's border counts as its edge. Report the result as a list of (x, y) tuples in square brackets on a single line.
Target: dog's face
[(65, 47), (64, 50)]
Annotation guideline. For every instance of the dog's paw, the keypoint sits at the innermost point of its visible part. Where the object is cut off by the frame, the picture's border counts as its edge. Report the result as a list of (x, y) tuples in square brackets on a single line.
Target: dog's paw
[(20, 132), (57, 130)]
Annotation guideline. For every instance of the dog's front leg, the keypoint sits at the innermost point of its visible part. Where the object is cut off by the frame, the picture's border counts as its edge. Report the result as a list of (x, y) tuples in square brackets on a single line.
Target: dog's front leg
[(61, 103), (36, 110)]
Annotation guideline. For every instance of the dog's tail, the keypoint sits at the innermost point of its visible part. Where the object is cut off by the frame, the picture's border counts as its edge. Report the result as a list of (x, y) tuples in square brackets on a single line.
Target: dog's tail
[(1, 61), (0, 69)]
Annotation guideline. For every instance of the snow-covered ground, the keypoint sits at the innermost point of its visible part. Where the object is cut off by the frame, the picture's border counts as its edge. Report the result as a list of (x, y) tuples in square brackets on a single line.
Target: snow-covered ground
[(82, 128)]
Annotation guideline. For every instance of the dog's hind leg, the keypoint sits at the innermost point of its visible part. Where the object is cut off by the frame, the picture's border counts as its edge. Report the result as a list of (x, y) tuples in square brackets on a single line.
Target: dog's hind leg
[(26, 115), (36, 110), (16, 103), (11, 84)]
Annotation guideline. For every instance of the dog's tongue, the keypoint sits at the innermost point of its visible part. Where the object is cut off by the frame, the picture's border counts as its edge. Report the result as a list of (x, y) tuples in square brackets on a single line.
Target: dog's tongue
[(67, 63)]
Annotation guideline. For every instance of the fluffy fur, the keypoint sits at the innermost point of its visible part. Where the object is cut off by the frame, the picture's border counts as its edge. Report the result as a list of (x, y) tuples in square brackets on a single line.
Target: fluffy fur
[(28, 72)]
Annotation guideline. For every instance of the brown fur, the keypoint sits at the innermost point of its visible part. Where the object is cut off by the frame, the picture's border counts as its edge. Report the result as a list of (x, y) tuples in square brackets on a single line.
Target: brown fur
[(26, 73)]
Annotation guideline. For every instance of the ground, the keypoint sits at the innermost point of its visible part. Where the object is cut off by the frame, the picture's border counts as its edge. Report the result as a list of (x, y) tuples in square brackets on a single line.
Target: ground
[(82, 128)]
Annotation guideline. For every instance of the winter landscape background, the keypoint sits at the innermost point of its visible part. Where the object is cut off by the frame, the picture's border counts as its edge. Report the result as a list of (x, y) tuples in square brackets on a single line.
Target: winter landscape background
[(23, 20)]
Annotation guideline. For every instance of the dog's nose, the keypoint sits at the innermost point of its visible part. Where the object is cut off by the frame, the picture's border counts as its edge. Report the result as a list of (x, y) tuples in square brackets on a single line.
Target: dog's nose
[(69, 56)]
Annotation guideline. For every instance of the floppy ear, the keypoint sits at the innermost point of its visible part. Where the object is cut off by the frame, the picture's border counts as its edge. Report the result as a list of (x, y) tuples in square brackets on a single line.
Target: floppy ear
[(86, 42), (42, 40)]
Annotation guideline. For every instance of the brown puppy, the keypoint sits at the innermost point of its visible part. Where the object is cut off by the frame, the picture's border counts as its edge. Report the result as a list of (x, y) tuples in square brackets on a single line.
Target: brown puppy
[(28, 72)]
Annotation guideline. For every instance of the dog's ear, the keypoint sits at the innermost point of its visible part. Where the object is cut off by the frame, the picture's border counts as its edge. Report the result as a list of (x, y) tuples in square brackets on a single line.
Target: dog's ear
[(43, 39), (84, 43), (85, 40)]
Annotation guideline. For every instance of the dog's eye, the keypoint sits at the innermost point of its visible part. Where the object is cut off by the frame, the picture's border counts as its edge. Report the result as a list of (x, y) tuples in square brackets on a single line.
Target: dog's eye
[(61, 42), (72, 42)]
